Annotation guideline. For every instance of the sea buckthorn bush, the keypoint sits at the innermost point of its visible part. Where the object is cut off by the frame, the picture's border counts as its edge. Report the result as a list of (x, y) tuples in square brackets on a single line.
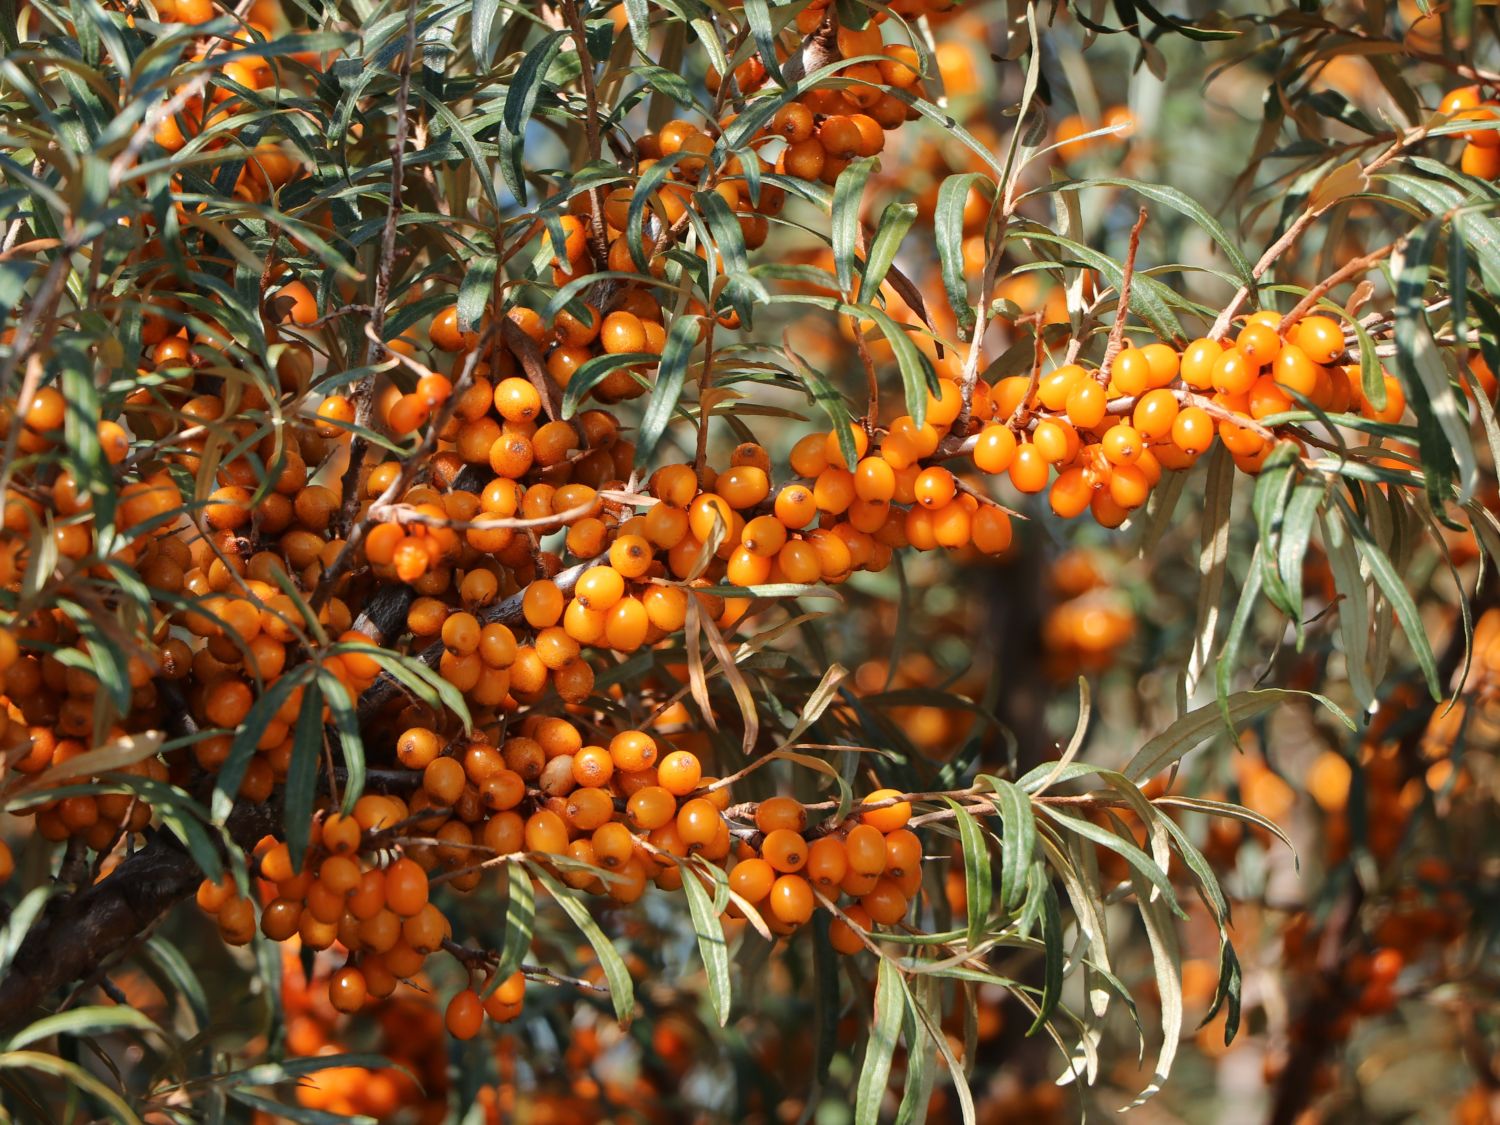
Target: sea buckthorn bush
[(832, 560)]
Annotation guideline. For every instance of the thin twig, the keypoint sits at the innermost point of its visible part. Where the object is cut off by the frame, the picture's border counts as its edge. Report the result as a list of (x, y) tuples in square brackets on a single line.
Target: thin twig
[(1122, 309)]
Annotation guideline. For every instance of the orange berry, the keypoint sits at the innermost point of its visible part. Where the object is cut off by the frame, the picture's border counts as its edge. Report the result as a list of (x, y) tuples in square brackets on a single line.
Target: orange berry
[(792, 900), (886, 819), (465, 1015)]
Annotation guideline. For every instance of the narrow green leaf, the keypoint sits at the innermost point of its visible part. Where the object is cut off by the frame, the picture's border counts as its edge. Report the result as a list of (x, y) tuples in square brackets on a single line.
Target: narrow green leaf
[(91, 1020), (621, 989), (475, 291), (1166, 960), (891, 1003), (1174, 743), (1213, 558), (302, 772), (520, 102), (948, 232), (848, 195), (1017, 840), (895, 221), (520, 921), (1396, 595), (1055, 958), (710, 933), (978, 885)]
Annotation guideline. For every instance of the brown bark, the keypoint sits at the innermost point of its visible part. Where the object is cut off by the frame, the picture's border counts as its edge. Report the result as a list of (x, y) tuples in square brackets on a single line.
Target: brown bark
[(80, 932)]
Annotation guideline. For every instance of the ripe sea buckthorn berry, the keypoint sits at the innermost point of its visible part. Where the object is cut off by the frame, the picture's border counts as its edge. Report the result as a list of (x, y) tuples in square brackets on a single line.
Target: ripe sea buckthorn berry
[(613, 845), (1086, 404), (1164, 362), (1198, 363), (589, 809), (517, 400), (666, 526), (1121, 445), (1294, 370), (546, 832), (990, 529), (705, 512), (461, 633), (443, 780), (666, 607), (841, 934), (935, 487), (1131, 371), (743, 486), (1056, 441), (944, 407), (1070, 493), (1459, 99), (346, 989), (622, 332), (631, 556), (583, 624), (751, 879), (368, 898), (995, 448), (542, 603), (809, 456), (651, 807), (405, 887), (227, 703), (679, 772), (1320, 337), (280, 919), (497, 645), (764, 535), (886, 904), (599, 588), (632, 750), (745, 568), (465, 1015), (793, 122), (698, 822), (237, 922), (1154, 414), (903, 853), (1193, 430), (445, 335), (798, 562), (294, 303), (1128, 486), (784, 850), (1029, 470), (874, 479), (1053, 389), (1259, 344), (626, 625), (1395, 403), (833, 491), (675, 485), (886, 819), (339, 874), (840, 137), (1233, 374), (827, 862), (795, 506), (780, 812), (335, 415), (865, 849), (46, 411), (791, 900)]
